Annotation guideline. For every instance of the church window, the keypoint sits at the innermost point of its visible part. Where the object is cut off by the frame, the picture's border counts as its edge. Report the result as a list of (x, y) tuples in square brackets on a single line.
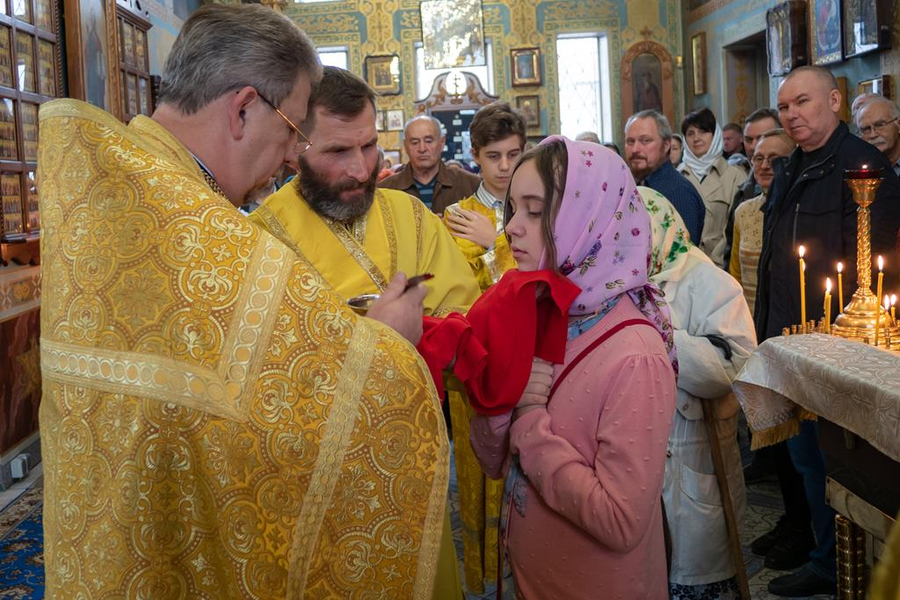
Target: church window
[(336, 56), (585, 103)]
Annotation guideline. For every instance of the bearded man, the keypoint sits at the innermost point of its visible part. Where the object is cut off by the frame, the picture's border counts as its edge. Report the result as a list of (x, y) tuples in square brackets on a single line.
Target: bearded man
[(355, 235)]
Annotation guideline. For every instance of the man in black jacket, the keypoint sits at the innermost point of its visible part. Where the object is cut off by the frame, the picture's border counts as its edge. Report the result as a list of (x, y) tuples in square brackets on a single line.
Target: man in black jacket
[(810, 205)]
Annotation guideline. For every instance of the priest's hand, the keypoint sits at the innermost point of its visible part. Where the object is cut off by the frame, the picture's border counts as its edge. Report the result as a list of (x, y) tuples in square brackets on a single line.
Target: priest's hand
[(401, 311), (472, 226)]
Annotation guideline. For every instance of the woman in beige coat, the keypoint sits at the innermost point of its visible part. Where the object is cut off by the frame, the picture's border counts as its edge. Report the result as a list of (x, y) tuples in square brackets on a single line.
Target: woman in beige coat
[(714, 178)]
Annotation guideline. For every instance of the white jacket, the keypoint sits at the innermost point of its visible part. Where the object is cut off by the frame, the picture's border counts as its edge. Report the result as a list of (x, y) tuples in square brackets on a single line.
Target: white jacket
[(706, 301), (709, 301)]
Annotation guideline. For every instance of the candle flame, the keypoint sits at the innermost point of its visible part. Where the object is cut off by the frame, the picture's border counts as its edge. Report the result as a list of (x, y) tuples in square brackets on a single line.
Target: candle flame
[(840, 267), (893, 299), (880, 263), (887, 301), (864, 167), (801, 251), (828, 285)]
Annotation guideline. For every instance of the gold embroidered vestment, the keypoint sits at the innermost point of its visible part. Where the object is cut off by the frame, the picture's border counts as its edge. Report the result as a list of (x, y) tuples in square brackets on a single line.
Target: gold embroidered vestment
[(215, 422)]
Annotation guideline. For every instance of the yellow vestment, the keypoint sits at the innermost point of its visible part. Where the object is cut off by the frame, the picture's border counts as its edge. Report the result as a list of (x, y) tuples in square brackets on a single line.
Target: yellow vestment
[(215, 422), (397, 234), (487, 265), (480, 498)]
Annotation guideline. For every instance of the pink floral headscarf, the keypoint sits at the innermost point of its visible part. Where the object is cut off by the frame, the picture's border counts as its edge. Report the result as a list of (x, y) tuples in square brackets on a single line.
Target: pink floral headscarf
[(602, 235)]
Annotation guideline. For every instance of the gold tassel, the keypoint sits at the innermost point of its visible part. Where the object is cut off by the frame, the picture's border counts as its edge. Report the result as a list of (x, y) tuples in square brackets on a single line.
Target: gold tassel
[(773, 435)]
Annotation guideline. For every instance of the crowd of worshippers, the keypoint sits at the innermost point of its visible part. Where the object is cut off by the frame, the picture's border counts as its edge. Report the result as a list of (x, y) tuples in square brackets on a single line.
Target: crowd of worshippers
[(745, 197), (593, 308)]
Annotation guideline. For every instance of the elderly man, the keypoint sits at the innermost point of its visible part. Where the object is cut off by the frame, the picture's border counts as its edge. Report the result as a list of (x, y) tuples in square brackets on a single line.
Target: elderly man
[(759, 122), (216, 422), (426, 176), (648, 139), (878, 122), (811, 205)]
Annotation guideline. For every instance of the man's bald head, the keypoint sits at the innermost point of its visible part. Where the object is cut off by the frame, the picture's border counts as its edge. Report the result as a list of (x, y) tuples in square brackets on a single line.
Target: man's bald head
[(808, 105), (819, 74)]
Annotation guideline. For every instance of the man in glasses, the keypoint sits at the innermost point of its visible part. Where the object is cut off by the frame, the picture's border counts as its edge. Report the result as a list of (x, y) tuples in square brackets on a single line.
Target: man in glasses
[(216, 422), (878, 122)]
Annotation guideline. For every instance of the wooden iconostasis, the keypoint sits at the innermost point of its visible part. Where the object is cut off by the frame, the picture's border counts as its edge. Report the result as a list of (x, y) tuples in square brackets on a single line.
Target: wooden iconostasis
[(107, 64)]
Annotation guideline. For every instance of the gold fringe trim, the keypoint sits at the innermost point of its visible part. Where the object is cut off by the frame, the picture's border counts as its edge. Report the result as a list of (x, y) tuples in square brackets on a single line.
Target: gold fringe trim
[(783, 431), (773, 435), (806, 415)]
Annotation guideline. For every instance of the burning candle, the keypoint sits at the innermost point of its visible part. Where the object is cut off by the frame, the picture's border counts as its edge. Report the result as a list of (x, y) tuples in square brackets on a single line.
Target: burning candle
[(828, 305), (880, 278), (878, 298), (887, 329), (801, 251), (840, 270), (863, 172)]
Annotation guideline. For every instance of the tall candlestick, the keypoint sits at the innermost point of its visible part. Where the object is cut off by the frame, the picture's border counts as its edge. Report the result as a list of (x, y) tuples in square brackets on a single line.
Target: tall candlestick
[(857, 318), (802, 251), (828, 305), (893, 304), (840, 269)]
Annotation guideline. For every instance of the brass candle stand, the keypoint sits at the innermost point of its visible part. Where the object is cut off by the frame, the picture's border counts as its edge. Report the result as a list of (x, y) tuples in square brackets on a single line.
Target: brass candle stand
[(857, 319)]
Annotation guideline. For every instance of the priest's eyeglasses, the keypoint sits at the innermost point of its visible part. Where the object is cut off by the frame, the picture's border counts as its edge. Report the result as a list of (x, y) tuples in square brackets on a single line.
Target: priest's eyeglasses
[(301, 142), (876, 126)]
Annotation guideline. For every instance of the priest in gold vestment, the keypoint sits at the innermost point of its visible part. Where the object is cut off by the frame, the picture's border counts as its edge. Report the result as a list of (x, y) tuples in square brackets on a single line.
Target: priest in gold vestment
[(358, 236), (215, 422)]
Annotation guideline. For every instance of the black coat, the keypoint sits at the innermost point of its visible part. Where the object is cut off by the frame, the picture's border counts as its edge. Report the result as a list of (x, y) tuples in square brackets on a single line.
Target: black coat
[(818, 212)]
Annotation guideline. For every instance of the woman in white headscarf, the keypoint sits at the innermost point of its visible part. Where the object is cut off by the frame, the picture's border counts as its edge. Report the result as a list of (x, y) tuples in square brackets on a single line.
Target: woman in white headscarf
[(714, 337), (716, 180)]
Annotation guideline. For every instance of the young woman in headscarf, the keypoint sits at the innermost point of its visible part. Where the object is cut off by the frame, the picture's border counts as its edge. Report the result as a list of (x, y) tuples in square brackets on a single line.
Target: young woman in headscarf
[(716, 180), (714, 337), (584, 470)]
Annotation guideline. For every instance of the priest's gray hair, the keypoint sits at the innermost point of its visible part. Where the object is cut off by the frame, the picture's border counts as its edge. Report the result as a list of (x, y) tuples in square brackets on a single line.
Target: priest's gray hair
[(662, 123), (222, 48)]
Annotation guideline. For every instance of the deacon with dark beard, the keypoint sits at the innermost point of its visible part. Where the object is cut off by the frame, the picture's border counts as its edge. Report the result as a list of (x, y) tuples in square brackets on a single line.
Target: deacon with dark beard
[(356, 236)]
